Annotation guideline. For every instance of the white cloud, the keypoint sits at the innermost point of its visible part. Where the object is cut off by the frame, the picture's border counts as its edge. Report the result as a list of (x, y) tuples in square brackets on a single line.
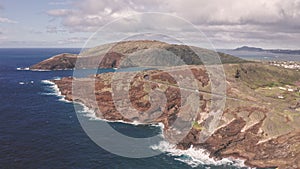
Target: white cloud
[(230, 20), (59, 12), (54, 29), (89, 15), (72, 40), (60, 3), (2, 35), (6, 20)]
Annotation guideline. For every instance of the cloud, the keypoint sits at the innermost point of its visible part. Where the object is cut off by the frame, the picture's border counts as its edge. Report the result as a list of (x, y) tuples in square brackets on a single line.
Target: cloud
[(230, 20), (59, 3), (68, 42), (3, 39), (214, 12), (275, 14), (89, 15), (59, 12), (34, 31), (54, 29), (72, 40), (6, 20)]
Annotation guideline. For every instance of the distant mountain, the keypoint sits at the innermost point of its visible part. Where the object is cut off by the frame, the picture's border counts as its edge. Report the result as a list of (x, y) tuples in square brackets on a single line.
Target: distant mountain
[(247, 48), (276, 51)]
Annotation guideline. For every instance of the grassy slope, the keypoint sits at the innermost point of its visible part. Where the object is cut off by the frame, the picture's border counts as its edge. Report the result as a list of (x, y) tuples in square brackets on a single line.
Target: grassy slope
[(258, 85)]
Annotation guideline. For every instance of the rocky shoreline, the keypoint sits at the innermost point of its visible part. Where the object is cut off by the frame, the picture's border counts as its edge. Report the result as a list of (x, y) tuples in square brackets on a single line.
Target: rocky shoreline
[(254, 126), (258, 123)]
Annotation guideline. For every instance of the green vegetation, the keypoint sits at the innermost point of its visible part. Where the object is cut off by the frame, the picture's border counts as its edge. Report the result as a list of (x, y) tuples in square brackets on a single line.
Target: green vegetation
[(256, 75), (274, 84), (196, 125)]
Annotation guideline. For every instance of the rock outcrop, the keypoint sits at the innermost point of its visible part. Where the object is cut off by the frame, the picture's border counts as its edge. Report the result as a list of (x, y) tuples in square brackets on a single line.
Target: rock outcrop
[(260, 120), (256, 125)]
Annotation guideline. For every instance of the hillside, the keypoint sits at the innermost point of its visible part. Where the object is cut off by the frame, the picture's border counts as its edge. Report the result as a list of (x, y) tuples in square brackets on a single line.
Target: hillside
[(260, 122), (135, 53)]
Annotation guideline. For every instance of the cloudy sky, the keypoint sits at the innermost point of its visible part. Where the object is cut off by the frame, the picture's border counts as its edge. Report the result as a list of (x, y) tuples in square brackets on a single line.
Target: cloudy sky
[(226, 24)]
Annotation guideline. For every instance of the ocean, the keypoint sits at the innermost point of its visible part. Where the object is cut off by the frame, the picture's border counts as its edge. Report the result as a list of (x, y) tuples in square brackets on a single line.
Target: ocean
[(38, 129)]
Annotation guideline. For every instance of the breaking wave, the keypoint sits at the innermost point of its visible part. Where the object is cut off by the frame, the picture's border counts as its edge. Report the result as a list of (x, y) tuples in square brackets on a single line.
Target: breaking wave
[(195, 157), (54, 90), (21, 68)]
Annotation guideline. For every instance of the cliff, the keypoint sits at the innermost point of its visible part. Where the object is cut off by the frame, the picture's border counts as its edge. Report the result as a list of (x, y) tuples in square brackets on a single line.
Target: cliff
[(260, 123)]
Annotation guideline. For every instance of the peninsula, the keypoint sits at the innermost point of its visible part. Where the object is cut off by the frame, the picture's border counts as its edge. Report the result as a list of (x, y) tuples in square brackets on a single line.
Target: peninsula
[(260, 122)]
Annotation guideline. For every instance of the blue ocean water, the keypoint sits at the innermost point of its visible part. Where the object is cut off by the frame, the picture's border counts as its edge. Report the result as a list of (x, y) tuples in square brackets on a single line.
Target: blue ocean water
[(37, 130)]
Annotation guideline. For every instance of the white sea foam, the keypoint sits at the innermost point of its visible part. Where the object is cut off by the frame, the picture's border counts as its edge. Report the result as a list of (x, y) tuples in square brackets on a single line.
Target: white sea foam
[(91, 114), (63, 99), (26, 82), (160, 125), (47, 82), (20, 68), (52, 86), (40, 70), (48, 94), (47, 70), (55, 90), (195, 157), (56, 78)]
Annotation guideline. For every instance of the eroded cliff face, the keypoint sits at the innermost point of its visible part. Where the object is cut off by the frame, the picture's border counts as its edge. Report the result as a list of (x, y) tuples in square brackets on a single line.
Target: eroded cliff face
[(256, 124)]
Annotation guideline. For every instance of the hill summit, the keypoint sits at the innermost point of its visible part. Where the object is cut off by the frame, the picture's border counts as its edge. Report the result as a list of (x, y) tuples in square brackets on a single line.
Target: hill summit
[(144, 53)]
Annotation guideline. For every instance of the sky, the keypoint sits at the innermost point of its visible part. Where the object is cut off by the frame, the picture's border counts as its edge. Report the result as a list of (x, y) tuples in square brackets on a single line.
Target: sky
[(225, 24)]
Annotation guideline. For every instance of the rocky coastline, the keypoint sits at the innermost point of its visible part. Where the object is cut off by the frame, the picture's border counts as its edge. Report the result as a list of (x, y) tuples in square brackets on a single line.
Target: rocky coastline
[(250, 128), (260, 120)]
